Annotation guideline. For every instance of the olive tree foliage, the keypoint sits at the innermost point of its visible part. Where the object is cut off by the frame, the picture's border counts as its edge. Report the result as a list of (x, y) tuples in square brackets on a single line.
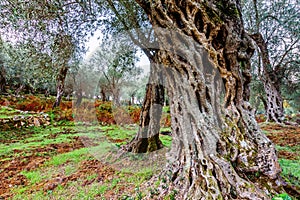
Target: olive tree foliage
[(134, 91), (274, 27), (56, 28), (28, 70), (114, 65)]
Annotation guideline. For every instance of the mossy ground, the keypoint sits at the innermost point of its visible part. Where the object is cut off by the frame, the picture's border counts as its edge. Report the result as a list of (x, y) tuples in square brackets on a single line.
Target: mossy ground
[(62, 161)]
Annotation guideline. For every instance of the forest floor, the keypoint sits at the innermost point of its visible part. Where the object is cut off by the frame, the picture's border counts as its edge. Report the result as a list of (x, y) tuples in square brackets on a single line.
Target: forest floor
[(74, 162)]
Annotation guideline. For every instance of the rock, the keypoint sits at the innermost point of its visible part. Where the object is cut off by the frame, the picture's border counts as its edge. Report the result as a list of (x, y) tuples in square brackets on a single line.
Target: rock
[(50, 186), (19, 121), (36, 122)]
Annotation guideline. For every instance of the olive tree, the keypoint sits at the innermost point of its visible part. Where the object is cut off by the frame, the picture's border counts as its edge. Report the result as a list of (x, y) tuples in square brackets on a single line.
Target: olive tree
[(217, 147), (274, 27)]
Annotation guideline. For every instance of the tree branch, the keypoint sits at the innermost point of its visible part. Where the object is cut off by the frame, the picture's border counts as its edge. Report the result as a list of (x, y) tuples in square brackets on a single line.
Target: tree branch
[(135, 41), (278, 66)]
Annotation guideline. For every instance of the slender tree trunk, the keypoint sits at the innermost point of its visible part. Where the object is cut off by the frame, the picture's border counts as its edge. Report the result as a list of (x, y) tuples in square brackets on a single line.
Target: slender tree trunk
[(2, 78), (116, 96), (147, 138), (64, 49), (79, 98), (19, 89), (132, 99), (274, 104), (218, 150), (103, 95), (60, 85)]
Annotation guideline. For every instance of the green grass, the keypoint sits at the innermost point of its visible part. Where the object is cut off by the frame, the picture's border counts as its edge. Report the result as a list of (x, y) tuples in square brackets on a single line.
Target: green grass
[(33, 176), (35, 137), (75, 156), (166, 140), (282, 196), (291, 170), (6, 112), (166, 109), (117, 132), (68, 163), (70, 169), (294, 149), (39, 139)]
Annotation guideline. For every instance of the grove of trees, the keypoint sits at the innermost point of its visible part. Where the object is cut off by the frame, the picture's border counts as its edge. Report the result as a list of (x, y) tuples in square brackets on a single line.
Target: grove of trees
[(204, 54)]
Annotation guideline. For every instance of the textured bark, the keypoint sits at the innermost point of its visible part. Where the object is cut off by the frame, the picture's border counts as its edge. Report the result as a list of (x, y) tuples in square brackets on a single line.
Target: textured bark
[(60, 85), (274, 104), (147, 138), (218, 150), (274, 108)]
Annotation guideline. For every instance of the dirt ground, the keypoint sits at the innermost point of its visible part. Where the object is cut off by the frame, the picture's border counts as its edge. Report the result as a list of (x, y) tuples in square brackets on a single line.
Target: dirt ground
[(284, 136), (10, 166)]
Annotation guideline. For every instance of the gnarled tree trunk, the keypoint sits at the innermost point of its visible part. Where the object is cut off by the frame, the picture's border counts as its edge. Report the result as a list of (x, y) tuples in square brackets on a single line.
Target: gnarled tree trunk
[(274, 104), (218, 150), (147, 138), (274, 109)]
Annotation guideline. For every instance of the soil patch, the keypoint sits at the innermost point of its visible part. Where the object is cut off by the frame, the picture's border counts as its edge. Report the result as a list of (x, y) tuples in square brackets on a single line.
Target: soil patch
[(10, 169), (285, 136), (86, 168)]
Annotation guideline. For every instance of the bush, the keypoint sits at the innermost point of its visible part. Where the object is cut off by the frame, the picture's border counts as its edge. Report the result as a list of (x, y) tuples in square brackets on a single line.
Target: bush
[(104, 112), (88, 111), (134, 112)]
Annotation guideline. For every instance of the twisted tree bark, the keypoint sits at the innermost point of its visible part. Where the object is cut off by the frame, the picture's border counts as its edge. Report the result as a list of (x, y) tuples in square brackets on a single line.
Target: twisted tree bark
[(218, 150), (274, 104)]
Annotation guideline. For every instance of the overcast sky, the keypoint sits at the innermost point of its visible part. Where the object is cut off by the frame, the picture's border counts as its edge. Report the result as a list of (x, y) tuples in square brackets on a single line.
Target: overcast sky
[(94, 42)]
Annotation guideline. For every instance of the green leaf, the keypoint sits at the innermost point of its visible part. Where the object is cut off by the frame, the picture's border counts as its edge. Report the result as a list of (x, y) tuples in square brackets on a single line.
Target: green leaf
[(282, 196)]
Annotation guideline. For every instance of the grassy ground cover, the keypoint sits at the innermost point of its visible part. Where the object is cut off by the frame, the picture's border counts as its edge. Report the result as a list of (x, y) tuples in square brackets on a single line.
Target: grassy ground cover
[(68, 160)]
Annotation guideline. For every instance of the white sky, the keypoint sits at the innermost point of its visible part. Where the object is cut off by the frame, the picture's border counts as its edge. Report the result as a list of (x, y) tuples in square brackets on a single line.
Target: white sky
[(95, 41)]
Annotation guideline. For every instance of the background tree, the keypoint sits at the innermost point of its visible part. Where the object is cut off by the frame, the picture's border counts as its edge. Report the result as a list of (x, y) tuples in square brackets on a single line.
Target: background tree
[(115, 61), (2, 69), (63, 50), (275, 29), (126, 16), (133, 92), (57, 28), (141, 92), (27, 69)]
